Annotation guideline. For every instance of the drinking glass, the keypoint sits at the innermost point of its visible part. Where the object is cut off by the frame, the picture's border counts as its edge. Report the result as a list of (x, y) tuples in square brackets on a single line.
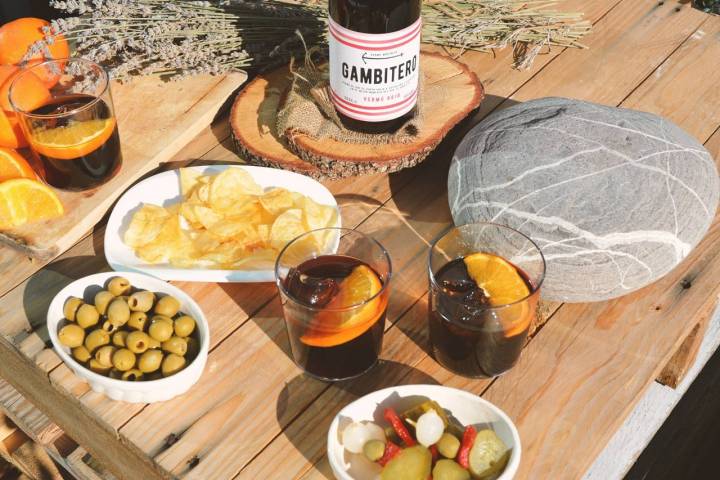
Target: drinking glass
[(71, 127), (334, 304), (470, 334)]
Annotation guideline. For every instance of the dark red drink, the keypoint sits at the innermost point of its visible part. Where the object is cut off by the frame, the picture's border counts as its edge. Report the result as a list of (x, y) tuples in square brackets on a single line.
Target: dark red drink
[(470, 336), (335, 315), (79, 151)]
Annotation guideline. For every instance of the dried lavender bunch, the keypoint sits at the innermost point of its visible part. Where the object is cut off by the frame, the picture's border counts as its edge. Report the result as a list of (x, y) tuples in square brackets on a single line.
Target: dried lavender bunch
[(182, 37)]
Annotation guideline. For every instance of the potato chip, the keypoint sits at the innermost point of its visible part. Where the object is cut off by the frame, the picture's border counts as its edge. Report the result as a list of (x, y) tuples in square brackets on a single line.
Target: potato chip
[(164, 244), (206, 216), (189, 180), (231, 186), (287, 226), (277, 201), (145, 225), (230, 229), (317, 216)]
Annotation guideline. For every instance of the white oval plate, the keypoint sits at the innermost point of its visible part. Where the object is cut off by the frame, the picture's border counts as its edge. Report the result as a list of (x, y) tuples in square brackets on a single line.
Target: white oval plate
[(164, 189)]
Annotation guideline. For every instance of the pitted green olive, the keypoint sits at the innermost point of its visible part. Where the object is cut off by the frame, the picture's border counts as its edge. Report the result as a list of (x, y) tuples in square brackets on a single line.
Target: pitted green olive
[(81, 354), (138, 320), (119, 286), (133, 375), (87, 315), (70, 308), (141, 301), (104, 355), (118, 312), (137, 342), (98, 367), (102, 300), (167, 306), (150, 361), (184, 326), (172, 364), (96, 339), (176, 345), (71, 335), (160, 329), (123, 359), (153, 344), (119, 338)]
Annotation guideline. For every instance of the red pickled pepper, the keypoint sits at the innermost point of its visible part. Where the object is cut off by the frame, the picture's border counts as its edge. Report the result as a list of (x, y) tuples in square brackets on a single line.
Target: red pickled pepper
[(434, 452), (391, 451), (463, 456), (394, 419)]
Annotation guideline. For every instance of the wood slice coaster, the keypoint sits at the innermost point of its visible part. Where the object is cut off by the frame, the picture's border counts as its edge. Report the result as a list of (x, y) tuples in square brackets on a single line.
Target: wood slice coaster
[(253, 121)]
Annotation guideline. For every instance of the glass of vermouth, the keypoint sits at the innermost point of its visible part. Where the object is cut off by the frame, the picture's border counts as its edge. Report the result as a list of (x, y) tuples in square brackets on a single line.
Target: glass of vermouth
[(71, 127), (334, 301), (485, 284)]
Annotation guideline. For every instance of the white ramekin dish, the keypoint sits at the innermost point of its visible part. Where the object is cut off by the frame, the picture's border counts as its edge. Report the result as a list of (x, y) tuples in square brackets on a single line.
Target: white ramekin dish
[(466, 407), (134, 392)]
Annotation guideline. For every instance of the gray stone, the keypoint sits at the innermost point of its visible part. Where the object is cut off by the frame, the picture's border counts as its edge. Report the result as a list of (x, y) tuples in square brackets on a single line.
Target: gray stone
[(615, 198)]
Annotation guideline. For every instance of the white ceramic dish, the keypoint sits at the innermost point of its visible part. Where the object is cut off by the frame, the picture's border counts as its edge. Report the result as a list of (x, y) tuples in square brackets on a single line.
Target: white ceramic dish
[(135, 392), (466, 407), (164, 189)]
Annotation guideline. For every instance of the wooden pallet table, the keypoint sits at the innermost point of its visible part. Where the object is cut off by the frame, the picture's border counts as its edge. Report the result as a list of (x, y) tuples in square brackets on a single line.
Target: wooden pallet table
[(583, 372)]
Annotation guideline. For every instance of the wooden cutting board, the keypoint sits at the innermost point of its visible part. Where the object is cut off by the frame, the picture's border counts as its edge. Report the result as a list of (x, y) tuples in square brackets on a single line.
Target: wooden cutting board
[(155, 120)]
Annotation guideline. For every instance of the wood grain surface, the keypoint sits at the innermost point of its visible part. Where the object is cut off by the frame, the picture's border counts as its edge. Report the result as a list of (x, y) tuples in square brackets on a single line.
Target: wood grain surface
[(253, 414)]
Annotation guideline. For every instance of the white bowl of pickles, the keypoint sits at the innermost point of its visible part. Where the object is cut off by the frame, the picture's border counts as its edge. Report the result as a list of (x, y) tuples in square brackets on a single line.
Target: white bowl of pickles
[(132, 337), (415, 432)]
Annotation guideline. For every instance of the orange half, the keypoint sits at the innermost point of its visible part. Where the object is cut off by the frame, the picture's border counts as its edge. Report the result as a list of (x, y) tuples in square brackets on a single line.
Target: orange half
[(503, 284), (335, 328), (13, 165), (73, 140), (23, 200)]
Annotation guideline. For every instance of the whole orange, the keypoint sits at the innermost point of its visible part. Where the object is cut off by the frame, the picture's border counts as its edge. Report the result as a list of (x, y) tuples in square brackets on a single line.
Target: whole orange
[(30, 91), (11, 134), (17, 36)]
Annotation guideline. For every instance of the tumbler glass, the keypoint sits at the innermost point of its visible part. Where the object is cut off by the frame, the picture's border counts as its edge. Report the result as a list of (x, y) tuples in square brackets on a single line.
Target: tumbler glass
[(334, 301)]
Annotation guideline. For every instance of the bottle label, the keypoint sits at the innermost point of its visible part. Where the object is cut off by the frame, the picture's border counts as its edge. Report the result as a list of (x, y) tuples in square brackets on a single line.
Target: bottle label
[(374, 77)]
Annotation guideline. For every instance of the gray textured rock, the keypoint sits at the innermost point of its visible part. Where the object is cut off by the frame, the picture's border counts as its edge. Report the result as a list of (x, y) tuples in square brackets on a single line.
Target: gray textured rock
[(615, 198)]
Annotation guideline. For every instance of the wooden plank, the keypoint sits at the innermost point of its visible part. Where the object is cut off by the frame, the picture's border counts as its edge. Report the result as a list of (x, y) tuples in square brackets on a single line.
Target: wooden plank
[(83, 467), (27, 456), (681, 361)]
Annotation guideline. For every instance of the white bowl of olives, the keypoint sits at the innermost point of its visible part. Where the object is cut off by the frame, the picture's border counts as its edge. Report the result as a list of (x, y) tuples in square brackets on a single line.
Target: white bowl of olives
[(411, 432), (132, 337)]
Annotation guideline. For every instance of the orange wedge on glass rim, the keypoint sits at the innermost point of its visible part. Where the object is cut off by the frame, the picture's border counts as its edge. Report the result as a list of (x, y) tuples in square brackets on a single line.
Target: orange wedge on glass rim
[(503, 284), (74, 140), (13, 165), (23, 200), (331, 328)]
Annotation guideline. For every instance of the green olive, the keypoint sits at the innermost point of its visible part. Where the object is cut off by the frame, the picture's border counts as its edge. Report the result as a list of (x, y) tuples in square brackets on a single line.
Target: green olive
[(176, 345), (153, 344), (172, 364), (133, 375), (123, 359), (448, 445), (141, 301), (96, 339), (87, 315), (137, 320), (109, 327), (184, 326), (71, 335), (162, 318), (119, 286), (104, 355), (150, 361), (119, 338), (102, 300), (118, 312), (81, 354), (137, 342), (98, 367), (160, 330), (167, 306), (70, 308), (193, 347)]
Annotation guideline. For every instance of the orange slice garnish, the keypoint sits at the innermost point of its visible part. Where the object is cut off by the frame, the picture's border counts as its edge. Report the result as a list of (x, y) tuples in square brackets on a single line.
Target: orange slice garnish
[(13, 165), (73, 140), (23, 200), (335, 328), (503, 284)]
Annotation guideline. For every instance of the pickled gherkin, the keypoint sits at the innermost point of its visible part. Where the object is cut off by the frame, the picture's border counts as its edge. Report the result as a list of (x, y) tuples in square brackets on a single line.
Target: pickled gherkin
[(374, 450), (488, 455), (448, 445)]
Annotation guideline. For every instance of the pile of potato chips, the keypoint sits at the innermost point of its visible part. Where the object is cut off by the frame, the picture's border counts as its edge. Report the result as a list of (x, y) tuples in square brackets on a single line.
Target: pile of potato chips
[(226, 221)]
